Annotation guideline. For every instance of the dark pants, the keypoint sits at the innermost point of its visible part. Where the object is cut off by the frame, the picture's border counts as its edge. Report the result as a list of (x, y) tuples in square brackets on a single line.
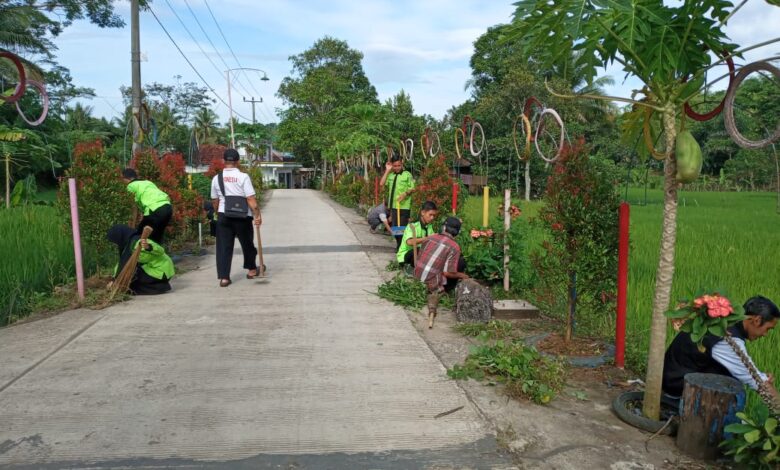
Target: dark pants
[(227, 231), (451, 283), (158, 220), (144, 284), (393, 223)]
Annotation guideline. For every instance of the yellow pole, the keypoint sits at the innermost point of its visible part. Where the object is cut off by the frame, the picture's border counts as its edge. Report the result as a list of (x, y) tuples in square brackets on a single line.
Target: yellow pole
[(189, 180), (485, 205)]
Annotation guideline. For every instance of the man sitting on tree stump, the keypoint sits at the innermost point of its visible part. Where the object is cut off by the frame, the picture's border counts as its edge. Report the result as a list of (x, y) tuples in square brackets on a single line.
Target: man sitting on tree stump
[(437, 265), (683, 356)]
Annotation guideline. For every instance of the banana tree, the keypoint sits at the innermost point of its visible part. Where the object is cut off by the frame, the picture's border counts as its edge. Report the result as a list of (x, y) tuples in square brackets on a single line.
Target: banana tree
[(669, 49), (8, 135)]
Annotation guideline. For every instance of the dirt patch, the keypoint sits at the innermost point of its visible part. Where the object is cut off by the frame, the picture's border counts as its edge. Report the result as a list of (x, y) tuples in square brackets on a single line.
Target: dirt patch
[(577, 346)]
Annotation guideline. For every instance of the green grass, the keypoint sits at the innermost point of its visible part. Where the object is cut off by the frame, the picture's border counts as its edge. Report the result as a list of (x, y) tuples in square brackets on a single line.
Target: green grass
[(37, 255), (728, 241)]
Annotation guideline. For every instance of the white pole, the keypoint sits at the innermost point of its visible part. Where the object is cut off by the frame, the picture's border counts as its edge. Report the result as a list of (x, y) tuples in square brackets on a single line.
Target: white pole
[(230, 107), (507, 224)]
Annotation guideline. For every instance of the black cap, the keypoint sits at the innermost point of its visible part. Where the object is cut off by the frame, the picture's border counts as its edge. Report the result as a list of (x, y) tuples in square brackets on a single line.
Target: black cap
[(231, 155), (453, 222)]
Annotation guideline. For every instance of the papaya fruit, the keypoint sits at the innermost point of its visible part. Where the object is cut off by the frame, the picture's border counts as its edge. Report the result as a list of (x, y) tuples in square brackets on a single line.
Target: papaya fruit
[(689, 158)]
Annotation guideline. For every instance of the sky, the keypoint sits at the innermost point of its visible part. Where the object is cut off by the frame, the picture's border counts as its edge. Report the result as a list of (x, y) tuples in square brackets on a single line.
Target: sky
[(420, 46)]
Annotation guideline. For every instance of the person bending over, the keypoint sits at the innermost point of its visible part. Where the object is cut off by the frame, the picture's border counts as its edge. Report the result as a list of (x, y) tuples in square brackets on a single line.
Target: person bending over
[(154, 204), (154, 269)]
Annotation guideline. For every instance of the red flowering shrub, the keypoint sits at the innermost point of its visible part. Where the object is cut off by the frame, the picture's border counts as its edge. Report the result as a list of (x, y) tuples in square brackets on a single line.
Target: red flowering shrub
[(102, 196), (169, 175), (208, 153), (435, 184), (215, 166), (580, 215)]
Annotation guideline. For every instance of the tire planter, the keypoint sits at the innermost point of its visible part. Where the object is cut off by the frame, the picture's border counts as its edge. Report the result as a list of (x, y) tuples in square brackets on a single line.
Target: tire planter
[(628, 407), (576, 361)]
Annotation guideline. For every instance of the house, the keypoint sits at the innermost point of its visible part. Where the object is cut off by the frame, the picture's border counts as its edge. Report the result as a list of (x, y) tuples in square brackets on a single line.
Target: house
[(280, 169)]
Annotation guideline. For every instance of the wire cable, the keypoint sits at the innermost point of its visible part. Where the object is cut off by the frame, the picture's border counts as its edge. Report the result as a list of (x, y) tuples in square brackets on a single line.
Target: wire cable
[(194, 69)]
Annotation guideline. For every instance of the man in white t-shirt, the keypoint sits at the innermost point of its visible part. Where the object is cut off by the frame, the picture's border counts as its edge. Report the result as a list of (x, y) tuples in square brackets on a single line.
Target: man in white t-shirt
[(236, 183)]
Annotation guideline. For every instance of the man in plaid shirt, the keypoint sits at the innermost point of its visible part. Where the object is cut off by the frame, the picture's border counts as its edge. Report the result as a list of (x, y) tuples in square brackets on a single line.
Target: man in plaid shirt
[(439, 261)]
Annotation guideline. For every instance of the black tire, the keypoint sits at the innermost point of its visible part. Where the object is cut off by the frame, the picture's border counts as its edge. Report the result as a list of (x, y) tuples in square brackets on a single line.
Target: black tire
[(622, 406)]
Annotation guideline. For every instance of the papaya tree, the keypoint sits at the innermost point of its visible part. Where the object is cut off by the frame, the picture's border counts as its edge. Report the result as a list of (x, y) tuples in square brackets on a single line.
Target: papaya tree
[(669, 48)]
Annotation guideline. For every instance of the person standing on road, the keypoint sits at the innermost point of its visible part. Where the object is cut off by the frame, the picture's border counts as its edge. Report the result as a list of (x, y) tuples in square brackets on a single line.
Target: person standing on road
[(234, 186), (438, 264), (154, 204), (400, 185)]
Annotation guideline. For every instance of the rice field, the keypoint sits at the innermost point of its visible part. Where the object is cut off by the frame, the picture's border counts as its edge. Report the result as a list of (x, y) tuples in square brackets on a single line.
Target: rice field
[(725, 241), (37, 255)]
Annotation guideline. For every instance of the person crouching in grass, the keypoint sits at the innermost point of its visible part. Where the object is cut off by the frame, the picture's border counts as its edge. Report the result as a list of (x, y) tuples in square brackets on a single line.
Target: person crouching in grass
[(416, 233), (438, 263)]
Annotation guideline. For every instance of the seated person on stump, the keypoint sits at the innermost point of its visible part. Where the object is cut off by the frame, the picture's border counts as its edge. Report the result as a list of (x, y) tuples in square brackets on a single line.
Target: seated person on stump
[(155, 205), (378, 216), (154, 269), (416, 233), (683, 355), (438, 265)]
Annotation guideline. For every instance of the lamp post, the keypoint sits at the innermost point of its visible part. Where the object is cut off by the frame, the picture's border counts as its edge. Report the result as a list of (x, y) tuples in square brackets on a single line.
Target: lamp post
[(230, 99)]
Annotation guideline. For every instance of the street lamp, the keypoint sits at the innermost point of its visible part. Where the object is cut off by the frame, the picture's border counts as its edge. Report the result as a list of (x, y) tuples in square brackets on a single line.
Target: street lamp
[(230, 100)]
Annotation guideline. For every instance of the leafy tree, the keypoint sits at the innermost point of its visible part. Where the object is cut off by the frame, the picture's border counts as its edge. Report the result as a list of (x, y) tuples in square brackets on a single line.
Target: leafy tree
[(205, 126), (327, 76), (660, 44)]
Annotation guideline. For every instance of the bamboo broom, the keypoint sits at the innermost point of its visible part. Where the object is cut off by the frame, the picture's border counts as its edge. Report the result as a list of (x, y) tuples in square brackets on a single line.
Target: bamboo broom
[(125, 277)]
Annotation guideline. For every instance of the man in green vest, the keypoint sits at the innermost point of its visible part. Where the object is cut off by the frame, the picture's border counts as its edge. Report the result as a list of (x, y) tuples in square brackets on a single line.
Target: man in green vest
[(416, 233), (400, 185), (154, 204)]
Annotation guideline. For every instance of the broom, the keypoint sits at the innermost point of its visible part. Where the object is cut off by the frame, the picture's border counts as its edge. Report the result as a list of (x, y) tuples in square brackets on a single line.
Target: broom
[(125, 277)]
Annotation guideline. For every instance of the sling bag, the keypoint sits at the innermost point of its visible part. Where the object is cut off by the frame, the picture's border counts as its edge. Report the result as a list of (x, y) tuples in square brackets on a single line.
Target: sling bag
[(236, 207)]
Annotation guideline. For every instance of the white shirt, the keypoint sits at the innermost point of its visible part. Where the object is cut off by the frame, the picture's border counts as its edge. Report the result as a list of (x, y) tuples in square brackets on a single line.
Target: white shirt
[(726, 356), (236, 184)]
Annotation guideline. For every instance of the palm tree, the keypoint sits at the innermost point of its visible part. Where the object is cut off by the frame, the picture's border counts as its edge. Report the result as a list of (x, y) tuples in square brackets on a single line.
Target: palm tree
[(205, 125)]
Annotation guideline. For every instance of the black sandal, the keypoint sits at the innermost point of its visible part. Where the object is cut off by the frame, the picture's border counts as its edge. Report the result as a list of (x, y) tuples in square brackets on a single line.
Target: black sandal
[(225, 282)]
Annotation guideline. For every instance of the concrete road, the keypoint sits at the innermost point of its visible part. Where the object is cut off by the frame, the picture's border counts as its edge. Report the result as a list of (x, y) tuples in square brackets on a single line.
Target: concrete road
[(308, 369)]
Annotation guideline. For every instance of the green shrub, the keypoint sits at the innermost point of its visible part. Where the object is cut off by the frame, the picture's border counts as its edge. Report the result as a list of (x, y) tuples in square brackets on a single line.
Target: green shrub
[(103, 199), (755, 442)]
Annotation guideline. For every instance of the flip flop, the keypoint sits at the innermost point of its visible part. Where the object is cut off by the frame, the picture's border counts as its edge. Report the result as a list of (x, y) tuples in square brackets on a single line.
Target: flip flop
[(252, 276)]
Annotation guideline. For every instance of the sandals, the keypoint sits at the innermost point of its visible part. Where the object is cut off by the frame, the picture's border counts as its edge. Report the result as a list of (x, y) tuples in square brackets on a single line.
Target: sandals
[(225, 282), (249, 274)]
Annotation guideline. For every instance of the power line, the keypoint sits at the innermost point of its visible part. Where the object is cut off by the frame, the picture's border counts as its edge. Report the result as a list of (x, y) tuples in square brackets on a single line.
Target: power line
[(194, 69), (208, 38), (227, 43)]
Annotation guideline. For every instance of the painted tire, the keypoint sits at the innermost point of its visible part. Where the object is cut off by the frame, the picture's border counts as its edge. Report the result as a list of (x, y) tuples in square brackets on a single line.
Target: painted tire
[(44, 97), (410, 151), (457, 146), (527, 127), (527, 110), (539, 127), (728, 115), (22, 85), (707, 116), (437, 145), (475, 125), (622, 403)]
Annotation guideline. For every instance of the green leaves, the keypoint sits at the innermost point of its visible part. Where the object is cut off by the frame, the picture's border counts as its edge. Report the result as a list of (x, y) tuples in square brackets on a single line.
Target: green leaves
[(754, 442)]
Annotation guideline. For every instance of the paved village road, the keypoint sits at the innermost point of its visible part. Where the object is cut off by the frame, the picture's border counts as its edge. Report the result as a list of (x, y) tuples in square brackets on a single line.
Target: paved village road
[(308, 369)]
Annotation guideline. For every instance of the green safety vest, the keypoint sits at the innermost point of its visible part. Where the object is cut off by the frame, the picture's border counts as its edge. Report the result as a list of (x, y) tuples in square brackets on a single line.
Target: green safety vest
[(403, 182), (419, 233), (155, 263), (147, 195)]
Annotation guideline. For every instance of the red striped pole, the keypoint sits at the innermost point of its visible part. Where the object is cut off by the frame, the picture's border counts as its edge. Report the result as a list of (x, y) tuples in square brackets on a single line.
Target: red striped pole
[(454, 197), (622, 286)]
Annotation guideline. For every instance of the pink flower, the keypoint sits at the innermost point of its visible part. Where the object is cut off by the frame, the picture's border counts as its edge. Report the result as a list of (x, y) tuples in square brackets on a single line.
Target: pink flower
[(718, 306), (698, 303), (474, 233)]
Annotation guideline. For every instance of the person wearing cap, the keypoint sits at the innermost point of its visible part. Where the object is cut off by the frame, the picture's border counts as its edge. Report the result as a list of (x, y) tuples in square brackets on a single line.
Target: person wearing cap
[(400, 185), (236, 183), (154, 204), (440, 264)]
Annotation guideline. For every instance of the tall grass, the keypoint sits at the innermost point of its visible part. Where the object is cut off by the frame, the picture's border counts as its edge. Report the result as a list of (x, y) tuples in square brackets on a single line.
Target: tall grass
[(725, 241), (36, 256)]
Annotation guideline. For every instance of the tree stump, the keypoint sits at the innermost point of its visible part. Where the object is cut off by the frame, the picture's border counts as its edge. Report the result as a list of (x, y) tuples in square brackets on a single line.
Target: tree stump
[(709, 403), (473, 302)]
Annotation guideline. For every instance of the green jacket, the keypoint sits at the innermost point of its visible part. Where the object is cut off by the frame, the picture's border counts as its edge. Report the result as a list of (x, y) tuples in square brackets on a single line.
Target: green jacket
[(403, 182), (419, 232), (155, 262), (147, 195)]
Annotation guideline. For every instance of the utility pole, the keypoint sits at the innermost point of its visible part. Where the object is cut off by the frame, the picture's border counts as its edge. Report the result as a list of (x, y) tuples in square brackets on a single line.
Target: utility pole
[(135, 61), (253, 101)]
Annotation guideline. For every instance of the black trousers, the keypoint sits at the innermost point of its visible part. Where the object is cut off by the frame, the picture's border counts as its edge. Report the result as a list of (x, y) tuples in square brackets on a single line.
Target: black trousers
[(404, 220), (227, 231), (158, 220), (451, 283)]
